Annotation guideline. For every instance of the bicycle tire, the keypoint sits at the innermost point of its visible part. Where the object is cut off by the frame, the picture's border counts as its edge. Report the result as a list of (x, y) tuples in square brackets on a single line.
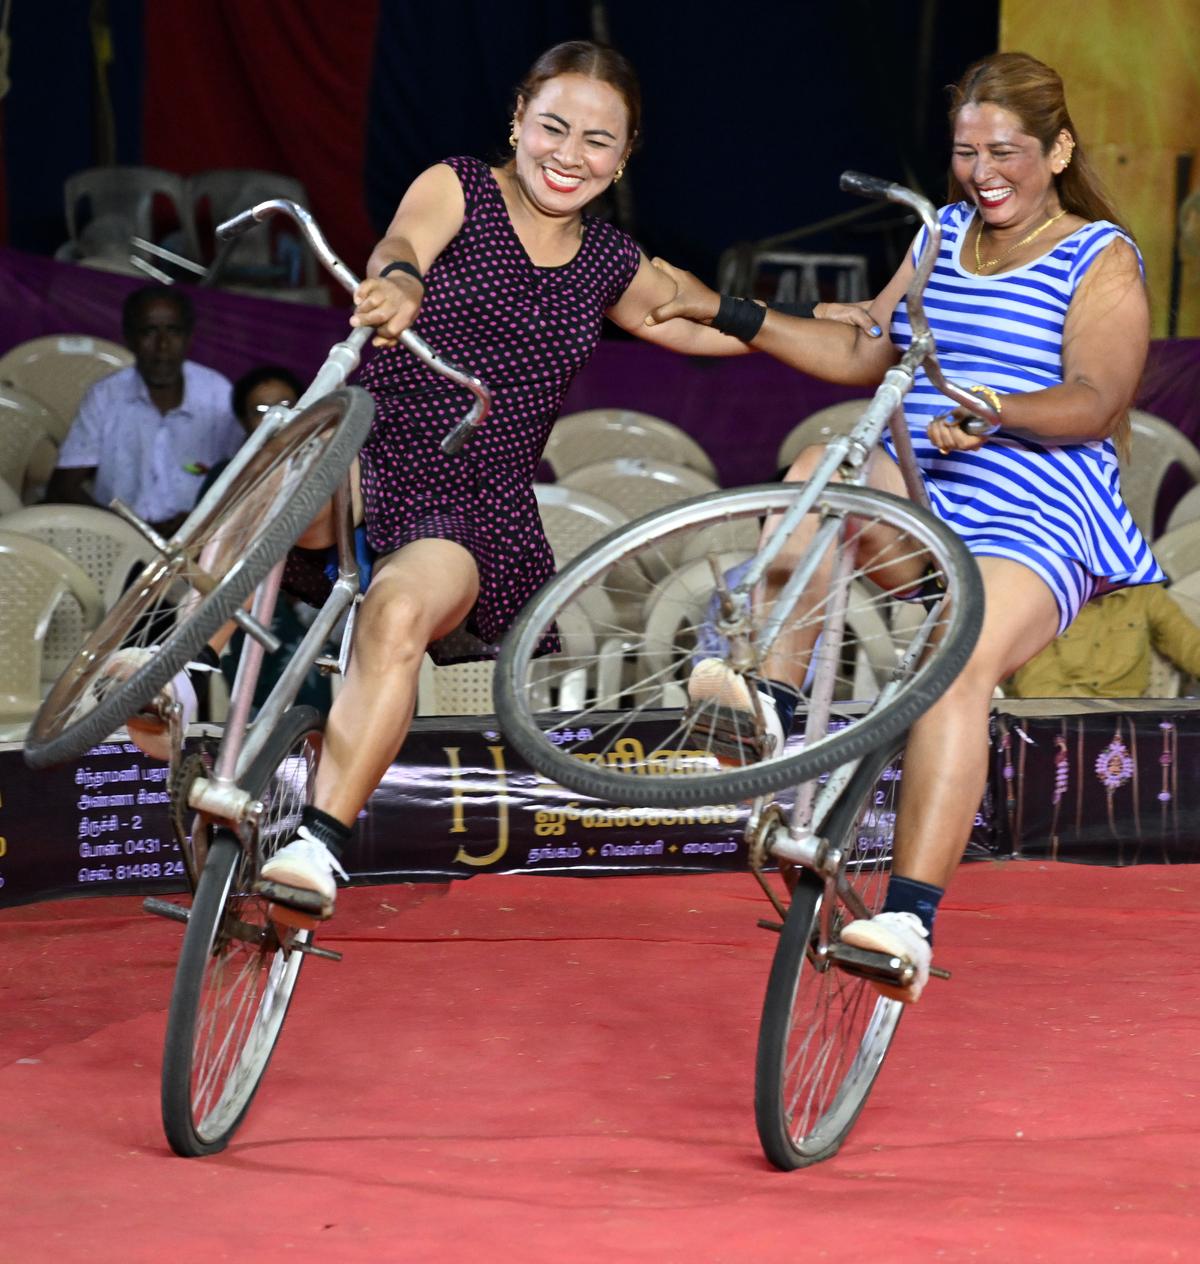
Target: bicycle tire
[(824, 1033), (230, 997), (684, 772), (306, 460)]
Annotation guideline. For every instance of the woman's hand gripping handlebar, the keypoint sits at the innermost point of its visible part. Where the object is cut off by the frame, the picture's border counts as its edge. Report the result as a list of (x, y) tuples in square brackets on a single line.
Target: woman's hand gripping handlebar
[(985, 417), (316, 239)]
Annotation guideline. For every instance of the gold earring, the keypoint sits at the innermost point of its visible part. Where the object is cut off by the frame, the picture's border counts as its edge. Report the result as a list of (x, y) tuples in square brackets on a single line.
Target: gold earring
[(620, 171), (512, 135)]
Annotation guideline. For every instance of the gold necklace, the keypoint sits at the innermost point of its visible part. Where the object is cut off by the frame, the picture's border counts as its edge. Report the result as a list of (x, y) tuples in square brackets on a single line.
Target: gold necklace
[(980, 264)]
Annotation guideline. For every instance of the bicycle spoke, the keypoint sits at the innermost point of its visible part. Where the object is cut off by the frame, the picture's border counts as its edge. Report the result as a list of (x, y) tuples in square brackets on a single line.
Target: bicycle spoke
[(235, 978)]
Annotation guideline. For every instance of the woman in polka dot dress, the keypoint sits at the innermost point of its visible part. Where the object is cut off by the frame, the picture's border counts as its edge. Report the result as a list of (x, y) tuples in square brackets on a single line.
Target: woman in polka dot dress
[(501, 271)]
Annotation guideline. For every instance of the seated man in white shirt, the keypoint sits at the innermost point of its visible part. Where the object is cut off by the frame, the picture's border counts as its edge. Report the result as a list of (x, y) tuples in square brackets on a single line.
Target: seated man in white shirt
[(149, 433)]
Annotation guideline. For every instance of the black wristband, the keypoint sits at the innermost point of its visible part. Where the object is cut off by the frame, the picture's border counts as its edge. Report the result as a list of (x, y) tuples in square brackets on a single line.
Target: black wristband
[(402, 265), (806, 311), (739, 317)]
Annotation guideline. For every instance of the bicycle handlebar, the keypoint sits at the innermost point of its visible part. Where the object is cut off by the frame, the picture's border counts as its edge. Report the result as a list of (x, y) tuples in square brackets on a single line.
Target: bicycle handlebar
[(923, 348), (866, 186), (247, 219)]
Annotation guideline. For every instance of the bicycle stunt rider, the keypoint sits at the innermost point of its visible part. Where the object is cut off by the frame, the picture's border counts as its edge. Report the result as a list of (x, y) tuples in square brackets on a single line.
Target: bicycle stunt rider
[(1038, 300), (500, 269)]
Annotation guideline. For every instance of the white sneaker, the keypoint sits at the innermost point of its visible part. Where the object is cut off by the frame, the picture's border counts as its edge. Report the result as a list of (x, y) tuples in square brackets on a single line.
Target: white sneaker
[(722, 707), (900, 935), (305, 867), (148, 731)]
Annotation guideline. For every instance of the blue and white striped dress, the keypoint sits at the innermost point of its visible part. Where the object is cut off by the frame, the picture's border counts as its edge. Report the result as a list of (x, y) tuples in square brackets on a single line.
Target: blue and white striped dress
[(1056, 508)]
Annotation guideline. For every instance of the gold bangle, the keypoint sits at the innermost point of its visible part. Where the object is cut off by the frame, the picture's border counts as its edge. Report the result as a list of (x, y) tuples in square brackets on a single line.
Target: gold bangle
[(992, 397)]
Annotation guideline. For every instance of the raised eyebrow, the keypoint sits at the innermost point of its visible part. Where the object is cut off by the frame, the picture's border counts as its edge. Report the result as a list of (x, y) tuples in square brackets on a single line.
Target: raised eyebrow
[(590, 131)]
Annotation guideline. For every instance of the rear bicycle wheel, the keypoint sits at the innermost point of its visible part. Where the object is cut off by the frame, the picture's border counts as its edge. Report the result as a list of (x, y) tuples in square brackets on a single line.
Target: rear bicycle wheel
[(181, 599), (641, 656), (824, 1032), (237, 970)]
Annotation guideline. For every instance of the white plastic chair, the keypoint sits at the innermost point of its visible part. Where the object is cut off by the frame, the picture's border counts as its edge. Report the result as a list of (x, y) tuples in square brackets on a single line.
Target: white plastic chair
[(27, 456), (819, 427), (105, 546), (15, 402), (1157, 446), (599, 434), (1178, 551), (1187, 509), (58, 369), (638, 485), (574, 520), (121, 203), (36, 581), (9, 500), (680, 605), (254, 263), (455, 689)]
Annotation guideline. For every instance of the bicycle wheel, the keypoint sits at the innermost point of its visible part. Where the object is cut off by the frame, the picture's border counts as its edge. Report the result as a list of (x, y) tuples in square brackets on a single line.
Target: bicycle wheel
[(262, 514), (236, 976), (824, 1032), (640, 657)]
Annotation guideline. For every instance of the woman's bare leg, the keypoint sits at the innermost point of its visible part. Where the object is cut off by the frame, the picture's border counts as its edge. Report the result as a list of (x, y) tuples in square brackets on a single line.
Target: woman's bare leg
[(882, 551), (946, 757), (322, 531), (417, 594)]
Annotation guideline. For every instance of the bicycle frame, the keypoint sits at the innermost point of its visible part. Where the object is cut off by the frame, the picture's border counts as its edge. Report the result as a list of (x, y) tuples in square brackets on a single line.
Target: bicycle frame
[(219, 796), (799, 841)]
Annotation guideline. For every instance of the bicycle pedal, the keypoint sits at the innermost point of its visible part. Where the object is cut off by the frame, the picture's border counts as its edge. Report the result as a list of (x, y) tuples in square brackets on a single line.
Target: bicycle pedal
[(733, 743), (311, 950), (879, 967), (294, 906)]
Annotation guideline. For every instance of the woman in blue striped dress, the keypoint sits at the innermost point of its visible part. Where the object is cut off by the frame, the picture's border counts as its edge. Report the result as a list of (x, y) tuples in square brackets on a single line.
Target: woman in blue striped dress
[(1038, 296)]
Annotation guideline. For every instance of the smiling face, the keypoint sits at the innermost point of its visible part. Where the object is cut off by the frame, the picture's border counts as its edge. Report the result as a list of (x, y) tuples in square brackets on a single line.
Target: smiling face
[(1002, 169), (572, 135)]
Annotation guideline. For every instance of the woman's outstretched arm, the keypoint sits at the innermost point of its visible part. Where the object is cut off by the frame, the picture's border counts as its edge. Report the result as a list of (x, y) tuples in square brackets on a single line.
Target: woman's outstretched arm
[(836, 350)]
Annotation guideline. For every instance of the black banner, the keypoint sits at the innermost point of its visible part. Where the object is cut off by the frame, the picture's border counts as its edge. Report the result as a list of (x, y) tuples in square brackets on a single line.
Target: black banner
[(1107, 787), (460, 802)]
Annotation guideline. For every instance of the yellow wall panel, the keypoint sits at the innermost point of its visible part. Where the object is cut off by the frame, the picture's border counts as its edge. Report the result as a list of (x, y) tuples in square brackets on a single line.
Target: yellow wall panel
[(1132, 74)]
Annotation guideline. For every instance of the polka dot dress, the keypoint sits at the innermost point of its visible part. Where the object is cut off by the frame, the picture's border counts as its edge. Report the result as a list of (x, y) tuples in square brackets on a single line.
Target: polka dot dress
[(526, 331)]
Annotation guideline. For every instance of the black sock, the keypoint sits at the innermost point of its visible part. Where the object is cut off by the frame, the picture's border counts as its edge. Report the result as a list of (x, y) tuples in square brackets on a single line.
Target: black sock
[(907, 895), (786, 697), (327, 828), (207, 657)]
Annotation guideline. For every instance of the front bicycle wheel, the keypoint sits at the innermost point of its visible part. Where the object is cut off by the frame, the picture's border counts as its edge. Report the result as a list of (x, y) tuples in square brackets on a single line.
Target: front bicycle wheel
[(181, 599), (639, 655), (824, 1032), (237, 970)]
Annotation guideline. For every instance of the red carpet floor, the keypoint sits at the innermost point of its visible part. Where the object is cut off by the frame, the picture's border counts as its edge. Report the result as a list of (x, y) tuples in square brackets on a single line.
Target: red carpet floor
[(550, 1069)]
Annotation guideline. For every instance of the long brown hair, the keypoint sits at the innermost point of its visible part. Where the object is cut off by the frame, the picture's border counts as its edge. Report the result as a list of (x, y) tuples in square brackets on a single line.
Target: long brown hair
[(1033, 92), (594, 61)]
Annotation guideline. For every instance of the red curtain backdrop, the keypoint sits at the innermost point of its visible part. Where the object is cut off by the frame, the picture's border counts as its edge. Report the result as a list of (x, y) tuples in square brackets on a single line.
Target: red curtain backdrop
[(279, 85)]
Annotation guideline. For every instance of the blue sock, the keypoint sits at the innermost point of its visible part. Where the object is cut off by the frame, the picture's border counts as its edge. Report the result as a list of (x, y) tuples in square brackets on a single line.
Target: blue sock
[(786, 697), (907, 895)]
